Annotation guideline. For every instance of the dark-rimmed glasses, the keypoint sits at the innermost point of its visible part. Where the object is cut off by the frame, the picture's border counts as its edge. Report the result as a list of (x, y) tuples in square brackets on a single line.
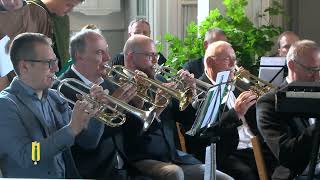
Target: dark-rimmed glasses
[(51, 62), (309, 69), (150, 56)]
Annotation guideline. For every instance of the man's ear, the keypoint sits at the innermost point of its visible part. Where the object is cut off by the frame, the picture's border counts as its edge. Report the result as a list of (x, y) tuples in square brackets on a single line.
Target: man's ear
[(291, 64), (205, 44), (23, 66), (78, 56)]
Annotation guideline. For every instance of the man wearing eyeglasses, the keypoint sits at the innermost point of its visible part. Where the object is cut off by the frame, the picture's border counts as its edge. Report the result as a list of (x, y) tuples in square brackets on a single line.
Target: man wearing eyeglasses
[(32, 112), (290, 138), (154, 152), (90, 53), (236, 124)]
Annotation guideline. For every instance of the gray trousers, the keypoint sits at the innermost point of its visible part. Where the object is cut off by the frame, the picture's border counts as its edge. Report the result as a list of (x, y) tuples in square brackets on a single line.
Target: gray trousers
[(167, 171)]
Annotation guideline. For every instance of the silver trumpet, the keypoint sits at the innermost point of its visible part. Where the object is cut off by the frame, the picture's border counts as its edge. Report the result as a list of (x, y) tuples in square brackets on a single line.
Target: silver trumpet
[(110, 116)]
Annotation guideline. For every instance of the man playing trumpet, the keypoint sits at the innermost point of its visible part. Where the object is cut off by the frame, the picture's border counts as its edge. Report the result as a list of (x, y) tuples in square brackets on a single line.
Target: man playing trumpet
[(32, 112), (237, 124), (89, 51), (154, 152)]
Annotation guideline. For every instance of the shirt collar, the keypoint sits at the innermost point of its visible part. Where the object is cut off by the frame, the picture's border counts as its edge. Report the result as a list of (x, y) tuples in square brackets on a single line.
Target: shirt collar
[(29, 90), (84, 79)]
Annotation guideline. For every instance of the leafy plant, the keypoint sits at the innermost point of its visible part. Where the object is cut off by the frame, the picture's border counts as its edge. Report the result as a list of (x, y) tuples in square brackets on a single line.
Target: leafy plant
[(248, 41)]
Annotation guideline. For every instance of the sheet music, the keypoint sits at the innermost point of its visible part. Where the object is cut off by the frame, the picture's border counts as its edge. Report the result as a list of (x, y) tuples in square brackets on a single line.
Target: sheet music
[(267, 73), (5, 62), (213, 109)]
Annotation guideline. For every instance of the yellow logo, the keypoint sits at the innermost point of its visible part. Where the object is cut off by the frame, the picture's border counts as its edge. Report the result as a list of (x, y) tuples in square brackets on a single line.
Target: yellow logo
[(35, 152)]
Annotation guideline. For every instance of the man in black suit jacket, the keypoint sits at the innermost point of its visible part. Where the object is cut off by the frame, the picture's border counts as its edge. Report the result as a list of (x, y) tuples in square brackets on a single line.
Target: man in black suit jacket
[(89, 50), (236, 125), (289, 137), (196, 66), (154, 152), (137, 26)]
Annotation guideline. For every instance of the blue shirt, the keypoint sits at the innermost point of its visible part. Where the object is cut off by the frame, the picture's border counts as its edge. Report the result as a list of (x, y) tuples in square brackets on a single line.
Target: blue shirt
[(46, 111)]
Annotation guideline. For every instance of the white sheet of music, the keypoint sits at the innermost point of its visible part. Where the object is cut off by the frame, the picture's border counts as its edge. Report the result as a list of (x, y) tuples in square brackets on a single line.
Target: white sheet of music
[(5, 62), (213, 110), (267, 73)]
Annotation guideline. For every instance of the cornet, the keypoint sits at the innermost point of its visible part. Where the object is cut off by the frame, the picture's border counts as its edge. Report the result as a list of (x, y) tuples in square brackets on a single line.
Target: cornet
[(110, 116), (126, 75)]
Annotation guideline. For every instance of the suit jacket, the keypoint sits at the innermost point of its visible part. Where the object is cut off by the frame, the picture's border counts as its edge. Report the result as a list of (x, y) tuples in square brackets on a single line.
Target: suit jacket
[(21, 124), (101, 161), (118, 59), (289, 137), (226, 129), (195, 66), (158, 142)]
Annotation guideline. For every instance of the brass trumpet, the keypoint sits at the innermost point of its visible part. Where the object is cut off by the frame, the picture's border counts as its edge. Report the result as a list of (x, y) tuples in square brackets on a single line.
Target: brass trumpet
[(110, 116), (170, 73), (127, 75), (257, 85)]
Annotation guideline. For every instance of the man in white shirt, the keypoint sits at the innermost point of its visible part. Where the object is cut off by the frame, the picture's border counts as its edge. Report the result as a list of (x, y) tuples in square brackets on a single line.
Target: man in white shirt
[(236, 124)]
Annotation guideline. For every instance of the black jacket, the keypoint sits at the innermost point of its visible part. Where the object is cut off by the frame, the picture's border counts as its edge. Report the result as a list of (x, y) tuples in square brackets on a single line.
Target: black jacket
[(195, 66), (289, 137), (98, 162)]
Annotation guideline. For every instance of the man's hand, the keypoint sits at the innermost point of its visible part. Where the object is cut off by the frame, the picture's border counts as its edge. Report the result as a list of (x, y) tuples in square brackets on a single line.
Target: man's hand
[(244, 101), (188, 79), (126, 92), (81, 114)]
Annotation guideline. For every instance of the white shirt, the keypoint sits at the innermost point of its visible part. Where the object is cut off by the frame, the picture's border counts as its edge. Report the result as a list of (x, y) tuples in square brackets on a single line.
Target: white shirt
[(84, 79), (244, 132)]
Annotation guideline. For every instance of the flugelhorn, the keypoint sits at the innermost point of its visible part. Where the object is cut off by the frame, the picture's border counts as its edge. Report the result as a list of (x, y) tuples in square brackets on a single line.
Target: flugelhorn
[(110, 116), (184, 97)]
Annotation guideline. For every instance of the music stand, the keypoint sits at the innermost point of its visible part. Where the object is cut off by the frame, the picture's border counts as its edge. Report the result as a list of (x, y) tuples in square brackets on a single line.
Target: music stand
[(272, 69), (299, 90), (208, 115)]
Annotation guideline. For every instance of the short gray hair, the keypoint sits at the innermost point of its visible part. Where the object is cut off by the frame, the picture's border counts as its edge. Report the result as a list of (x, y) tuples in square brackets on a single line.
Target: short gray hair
[(136, 20), (78, 41), (208, 35), (299, 48)]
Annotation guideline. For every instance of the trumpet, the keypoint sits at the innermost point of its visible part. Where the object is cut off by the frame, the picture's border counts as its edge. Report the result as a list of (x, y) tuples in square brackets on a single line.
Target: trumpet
[(201, 86), (257, 85), (110, 116), (126, 75)]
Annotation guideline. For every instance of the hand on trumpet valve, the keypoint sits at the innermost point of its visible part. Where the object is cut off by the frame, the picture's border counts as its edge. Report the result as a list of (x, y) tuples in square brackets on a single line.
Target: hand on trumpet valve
[(187, 78), (139, 77), (126, 92), (244, 101), (81, 114)]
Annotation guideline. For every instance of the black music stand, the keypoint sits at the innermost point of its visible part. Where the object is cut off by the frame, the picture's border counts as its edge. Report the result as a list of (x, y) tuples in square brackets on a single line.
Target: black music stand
[(206, 118), (283, 103)]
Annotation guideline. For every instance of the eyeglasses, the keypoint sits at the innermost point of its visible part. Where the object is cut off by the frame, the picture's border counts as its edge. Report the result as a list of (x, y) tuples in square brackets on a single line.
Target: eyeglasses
[(51, 62), (229, 59), (309, 69), (150, 56)]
